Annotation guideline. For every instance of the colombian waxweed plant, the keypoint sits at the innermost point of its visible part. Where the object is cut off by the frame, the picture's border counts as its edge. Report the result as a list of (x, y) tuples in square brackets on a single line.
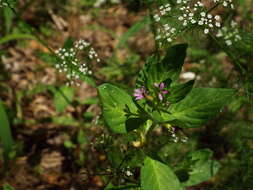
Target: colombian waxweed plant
[(159, 101)]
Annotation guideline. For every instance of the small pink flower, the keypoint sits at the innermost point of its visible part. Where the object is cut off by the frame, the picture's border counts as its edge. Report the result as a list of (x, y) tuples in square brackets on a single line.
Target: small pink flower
[(139, 93), (161, 86)]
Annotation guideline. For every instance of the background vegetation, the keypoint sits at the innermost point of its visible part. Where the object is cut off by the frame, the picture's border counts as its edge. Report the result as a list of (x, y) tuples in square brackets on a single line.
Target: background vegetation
[(58, 139)]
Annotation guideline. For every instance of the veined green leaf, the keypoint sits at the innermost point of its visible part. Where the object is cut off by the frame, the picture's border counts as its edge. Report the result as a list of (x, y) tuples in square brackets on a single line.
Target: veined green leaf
[(178, 92), (200, 105), (115, 102), (5, 132), (156, 71), (158, 176), (173, 61), (201, 168)]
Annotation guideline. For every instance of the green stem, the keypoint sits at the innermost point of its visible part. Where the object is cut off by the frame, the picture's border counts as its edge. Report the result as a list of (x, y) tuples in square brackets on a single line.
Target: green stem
[(31, 30), (230, 55), (153, 29)]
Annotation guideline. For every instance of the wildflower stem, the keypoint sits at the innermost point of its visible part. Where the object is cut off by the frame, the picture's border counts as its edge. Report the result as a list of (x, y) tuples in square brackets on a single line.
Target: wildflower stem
[(153, 28), (213, 7), (31, 30), (230, 55)]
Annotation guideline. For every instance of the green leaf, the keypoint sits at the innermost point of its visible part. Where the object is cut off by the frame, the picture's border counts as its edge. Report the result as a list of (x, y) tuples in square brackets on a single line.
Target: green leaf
[(81, 137), (115, 156), (200, 105), (5, 132), (178, 92), (8, 17), (115, 103), (201, 168), (156, 71), (135, 28), (14, 36), (158, 176), (65, 121), (173, 61), (63, 97), (7, 187), (134, 123), (47, 57), (69, 144)]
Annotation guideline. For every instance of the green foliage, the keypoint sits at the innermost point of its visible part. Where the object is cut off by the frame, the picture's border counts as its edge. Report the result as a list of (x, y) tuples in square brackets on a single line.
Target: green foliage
[(158, 176), (7, 187), (199, 167), (15, 36), (63, 96), (169, 68), (200, 105), (131, 31), (5, 132), (189, 107), (8, 16), (152, 124), (115, 103), (178, 92)]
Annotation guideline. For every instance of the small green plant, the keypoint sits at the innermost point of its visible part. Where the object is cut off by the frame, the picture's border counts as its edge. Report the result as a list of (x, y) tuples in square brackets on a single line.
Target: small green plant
[(161, 102)]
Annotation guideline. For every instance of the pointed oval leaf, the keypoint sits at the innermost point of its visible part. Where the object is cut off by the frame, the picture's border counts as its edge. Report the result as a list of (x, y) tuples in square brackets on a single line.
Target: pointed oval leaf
[(200, 105), (155, 71), (115, 102), (200, 166), (158, 176), (178, 92)]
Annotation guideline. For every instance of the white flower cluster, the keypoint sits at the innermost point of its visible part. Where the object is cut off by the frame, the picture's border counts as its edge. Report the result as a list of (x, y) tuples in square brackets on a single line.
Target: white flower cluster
[(99, 3), (225, 3), (230, 35), (70, 64), (176, 138), (201, 18), (165, 32), (3, 3), (189, 14), (209, 21)]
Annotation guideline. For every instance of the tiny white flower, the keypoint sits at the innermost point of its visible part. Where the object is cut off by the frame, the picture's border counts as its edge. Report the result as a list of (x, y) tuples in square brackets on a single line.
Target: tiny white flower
[(200, 22), (228, 42), (129, 173), (206, 31), (193, 21), (203, 14), (180, 18), (225, 4), (217, 24), (217, 17)]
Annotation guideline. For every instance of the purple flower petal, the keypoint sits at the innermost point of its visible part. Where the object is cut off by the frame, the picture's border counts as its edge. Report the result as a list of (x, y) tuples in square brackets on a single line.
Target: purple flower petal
[(165, 92), (162, 85), (139, 93)]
